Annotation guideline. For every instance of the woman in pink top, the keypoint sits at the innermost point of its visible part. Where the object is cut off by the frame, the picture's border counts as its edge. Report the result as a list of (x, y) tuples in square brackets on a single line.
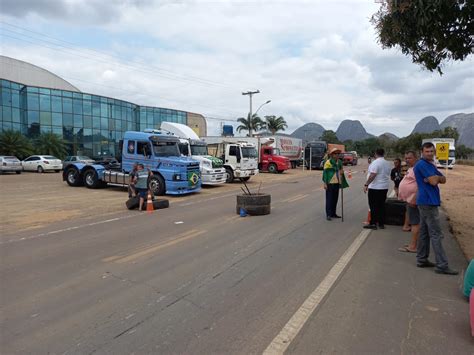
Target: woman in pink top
[(407, 192)]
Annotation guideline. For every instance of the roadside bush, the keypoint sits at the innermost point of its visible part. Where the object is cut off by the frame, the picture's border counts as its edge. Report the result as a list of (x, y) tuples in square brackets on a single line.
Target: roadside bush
[(15, 143)]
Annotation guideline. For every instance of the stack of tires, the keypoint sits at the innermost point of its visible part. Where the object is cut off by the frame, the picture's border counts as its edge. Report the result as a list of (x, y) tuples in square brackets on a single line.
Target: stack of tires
[(394, 212)]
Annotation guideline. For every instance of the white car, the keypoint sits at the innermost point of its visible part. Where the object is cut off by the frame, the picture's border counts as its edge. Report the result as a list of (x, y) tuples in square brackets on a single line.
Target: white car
[(42, 163), (10, 163)]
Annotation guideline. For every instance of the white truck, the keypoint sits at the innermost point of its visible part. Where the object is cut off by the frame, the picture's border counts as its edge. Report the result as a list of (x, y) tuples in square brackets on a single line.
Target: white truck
[(211, 168), (289, 147), (441, 163), (240, 157)]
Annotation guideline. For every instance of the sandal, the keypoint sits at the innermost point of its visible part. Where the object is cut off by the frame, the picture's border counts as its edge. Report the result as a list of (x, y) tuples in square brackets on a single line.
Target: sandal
[(405, 249)]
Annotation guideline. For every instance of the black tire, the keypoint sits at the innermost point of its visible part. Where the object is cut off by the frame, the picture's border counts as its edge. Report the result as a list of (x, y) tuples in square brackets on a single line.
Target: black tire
[(91, 180), (73, 177), (258, 210), (18, 172), (230, 175), (247, 178), (40, 169), (272, 168), (132, 202), (57, 171), (158, 204), (394, 212), (157, 185)]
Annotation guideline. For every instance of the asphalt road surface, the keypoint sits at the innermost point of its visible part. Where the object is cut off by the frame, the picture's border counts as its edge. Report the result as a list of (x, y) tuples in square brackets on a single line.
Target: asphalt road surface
[(192, 279)]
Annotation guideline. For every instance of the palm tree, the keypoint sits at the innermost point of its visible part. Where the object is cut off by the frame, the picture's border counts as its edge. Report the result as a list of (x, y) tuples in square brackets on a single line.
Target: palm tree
[(15, 143), (248, 124), (51, 144), (275, 124)]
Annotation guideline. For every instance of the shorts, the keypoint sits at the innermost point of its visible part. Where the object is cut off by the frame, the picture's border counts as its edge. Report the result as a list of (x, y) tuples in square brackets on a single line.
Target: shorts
[(142, 192), (413, 215)]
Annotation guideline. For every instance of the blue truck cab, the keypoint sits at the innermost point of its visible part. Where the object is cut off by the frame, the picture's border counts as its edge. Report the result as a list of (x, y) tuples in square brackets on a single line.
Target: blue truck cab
[(158, 151)]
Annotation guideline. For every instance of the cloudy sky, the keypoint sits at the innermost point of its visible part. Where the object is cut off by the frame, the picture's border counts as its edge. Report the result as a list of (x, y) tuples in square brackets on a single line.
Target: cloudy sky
[(317, 61)]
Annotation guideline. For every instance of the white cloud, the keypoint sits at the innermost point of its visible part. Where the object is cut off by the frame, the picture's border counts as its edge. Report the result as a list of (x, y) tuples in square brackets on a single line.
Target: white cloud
[(317, 61)]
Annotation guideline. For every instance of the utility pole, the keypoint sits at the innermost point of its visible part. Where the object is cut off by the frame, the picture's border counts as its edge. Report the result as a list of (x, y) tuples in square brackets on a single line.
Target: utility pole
[(250, 93)]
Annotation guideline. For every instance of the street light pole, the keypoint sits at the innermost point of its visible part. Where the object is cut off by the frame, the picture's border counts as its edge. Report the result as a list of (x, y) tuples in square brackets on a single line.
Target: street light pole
[(267, 102), (250, 93)]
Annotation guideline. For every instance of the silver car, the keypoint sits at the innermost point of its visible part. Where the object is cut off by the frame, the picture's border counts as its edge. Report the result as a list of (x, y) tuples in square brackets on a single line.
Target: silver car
[(42, 163), (77, 159), (10, 163)]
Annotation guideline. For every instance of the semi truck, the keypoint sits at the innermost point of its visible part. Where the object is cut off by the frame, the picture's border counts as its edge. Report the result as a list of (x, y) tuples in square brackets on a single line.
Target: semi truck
[(158, 151), (269, 158), (442, 163), (240, 157), (288, 147), (314, 153), (212, 168)]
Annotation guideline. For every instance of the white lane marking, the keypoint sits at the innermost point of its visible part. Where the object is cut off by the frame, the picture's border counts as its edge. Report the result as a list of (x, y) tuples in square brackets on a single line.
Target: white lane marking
[(67, 229), (297, 321)]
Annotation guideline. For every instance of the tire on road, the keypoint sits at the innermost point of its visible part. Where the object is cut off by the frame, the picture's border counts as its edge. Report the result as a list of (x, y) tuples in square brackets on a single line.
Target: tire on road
[(18, 172), (73, 177), (158, 204), (255, 205), (91, 179), (394, 212), (230, 175), (272, 168), (157, 185)]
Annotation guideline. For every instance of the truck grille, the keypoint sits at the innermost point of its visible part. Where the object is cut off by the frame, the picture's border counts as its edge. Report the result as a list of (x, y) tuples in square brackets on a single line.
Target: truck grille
[(193, 167)]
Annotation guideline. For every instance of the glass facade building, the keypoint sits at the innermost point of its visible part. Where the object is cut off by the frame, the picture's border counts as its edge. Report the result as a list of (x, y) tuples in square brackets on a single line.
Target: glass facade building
[(90, 124)]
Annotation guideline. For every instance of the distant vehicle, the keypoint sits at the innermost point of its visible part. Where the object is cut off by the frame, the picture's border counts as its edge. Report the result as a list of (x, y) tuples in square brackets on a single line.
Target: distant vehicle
[(77, 159), (314, 153), (349, 158), (288, 147), (9, 163), (442, 163), (42, 163)]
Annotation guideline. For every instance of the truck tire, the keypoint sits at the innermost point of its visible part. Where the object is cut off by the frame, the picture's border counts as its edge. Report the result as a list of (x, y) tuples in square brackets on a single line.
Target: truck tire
[(73, 177), (158, 204), (157, 185), (91, 180), (272, 168), (18, 172), (230, 175), (394, 212)]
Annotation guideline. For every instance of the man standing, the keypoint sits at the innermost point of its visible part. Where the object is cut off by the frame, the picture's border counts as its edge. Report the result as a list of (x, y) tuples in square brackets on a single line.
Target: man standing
[(427, 178), (407, 192), (334, 179), (377, 186)]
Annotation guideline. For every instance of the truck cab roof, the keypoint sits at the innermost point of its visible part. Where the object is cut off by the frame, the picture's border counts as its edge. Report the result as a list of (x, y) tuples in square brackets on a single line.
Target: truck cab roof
[(154, 135)]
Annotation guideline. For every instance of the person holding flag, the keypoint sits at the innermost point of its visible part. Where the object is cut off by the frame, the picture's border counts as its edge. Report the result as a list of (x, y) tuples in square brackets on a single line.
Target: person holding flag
[(333, 179)]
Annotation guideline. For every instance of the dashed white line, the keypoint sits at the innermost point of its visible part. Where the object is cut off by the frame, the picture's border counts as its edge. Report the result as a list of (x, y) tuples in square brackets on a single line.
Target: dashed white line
[(297, 321)]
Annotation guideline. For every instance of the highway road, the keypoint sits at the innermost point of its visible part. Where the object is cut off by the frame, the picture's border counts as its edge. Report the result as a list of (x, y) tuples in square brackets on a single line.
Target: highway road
[(192, 279)]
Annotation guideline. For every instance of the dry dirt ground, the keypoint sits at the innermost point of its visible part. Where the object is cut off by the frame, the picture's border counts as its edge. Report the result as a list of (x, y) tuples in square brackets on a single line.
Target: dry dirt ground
[(33, 200), (458, 200)]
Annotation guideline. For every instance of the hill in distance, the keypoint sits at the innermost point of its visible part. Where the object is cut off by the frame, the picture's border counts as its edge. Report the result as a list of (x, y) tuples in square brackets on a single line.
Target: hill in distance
[(352, 130), (309, 132), (427, 124)]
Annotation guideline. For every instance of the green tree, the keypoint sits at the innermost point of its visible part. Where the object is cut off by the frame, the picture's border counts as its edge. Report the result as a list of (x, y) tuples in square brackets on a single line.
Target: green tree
[(431, 32), (275, 124), (367, 146), (463, 152), (330, 136), (51, 144), (249, 124), (15, 143)]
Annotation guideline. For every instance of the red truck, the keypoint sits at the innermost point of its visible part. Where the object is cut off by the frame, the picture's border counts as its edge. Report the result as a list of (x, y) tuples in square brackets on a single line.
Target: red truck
[(349, 158)]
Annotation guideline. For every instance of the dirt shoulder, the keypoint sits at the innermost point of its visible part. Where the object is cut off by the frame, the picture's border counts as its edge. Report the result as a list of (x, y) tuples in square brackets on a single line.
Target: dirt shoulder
[(457, 197)]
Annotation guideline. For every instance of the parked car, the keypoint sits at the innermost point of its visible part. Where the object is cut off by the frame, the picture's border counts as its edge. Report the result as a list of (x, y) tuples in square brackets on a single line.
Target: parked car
[(77, 159), (42, 163), (10, 163), (349, 159)]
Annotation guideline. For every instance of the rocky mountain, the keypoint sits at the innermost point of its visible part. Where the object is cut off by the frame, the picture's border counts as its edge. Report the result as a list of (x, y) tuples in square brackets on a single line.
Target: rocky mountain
[(388, 136), (353, 130), (427, 124), (464, 123), (309, 132)]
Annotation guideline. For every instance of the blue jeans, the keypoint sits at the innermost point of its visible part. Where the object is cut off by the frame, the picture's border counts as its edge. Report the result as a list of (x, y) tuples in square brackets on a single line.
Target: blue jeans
[(430, 230)]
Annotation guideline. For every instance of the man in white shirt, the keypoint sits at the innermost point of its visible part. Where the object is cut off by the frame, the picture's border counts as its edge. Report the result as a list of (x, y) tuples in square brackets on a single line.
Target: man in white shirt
[(377, 186)]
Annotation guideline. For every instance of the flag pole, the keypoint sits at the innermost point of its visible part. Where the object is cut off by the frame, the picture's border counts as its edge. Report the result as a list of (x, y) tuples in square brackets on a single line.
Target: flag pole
[(342, 204)]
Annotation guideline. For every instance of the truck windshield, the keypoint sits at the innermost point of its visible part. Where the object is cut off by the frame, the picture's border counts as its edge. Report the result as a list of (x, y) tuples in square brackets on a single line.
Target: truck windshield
[(199, 150), (166, 149), (249, 152), (276, 151)]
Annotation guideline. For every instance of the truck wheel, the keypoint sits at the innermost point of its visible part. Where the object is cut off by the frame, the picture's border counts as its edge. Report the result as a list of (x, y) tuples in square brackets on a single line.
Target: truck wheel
[(230, 175), (272, 168), (73, 177), (247, 178), (40, 169), (91, 180), (18, 172), (157, 185)]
